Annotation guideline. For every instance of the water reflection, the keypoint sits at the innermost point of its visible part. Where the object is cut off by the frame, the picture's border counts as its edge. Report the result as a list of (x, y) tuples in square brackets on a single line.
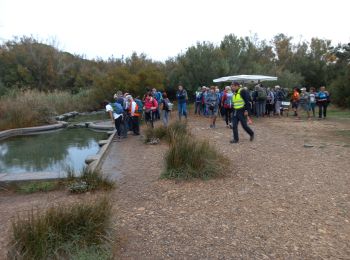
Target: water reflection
[(52, 151)]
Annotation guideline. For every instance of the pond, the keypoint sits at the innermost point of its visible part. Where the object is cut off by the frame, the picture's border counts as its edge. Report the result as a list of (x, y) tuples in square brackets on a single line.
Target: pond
[(49, 152)]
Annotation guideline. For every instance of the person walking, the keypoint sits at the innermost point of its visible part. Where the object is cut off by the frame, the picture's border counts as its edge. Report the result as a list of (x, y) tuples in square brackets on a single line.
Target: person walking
[(304, 103), (115, 111), (150, 106), (226, 103), (212, 102), (295, 101), (198, 101), (165, 109), (134, 114), (182, 98), (270, 102), (279, 97), (323, 100), (241, 109), (312, 100)]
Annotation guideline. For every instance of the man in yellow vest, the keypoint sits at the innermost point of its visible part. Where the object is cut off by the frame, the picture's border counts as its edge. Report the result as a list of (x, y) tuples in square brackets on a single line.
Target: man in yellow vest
[(241, 107)]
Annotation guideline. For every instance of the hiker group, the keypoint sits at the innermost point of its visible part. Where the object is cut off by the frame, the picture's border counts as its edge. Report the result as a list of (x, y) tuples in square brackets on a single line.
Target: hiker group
[(233, 104), (263, 102), (126, 111)]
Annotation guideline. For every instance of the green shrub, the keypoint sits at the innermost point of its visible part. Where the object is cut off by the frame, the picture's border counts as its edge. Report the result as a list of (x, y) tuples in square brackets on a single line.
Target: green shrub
[(60, 231), (88, 181), (189, 158)]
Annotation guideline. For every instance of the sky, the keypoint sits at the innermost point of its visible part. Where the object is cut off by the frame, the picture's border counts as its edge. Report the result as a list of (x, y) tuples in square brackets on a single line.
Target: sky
[(162, 28)]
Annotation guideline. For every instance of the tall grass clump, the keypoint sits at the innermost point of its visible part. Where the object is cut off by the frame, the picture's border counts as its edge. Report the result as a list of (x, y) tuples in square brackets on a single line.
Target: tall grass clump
[(61, 232), (88, 180), (162, 132), (155, 133), (189, 158), (33, 108)]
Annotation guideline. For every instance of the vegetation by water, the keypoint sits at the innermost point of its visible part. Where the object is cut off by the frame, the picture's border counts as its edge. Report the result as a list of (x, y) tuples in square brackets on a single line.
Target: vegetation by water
[(63, 232), (88, 180), (64, 82)]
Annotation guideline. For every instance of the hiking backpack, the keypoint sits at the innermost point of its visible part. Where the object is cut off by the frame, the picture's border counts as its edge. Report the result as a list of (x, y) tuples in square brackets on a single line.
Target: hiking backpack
[(228, 101), (139, 105), (262, 94), (117, 108)]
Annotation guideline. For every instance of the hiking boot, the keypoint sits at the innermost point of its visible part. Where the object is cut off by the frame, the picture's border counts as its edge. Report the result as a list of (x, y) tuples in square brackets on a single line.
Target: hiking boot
[(251, 138), (234, 141)]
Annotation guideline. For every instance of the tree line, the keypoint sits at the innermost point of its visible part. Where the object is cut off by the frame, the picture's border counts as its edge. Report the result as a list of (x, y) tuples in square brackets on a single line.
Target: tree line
[(26, 63)]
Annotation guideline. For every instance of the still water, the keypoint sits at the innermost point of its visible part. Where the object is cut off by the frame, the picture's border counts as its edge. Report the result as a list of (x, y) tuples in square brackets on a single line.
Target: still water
[(49, 152)]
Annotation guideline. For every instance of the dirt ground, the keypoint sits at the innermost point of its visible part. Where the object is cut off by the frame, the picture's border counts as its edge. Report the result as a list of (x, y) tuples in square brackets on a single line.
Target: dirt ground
[(287, 196)]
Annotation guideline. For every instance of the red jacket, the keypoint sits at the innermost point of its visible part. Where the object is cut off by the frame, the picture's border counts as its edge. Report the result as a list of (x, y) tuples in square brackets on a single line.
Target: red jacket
[(149, 103)]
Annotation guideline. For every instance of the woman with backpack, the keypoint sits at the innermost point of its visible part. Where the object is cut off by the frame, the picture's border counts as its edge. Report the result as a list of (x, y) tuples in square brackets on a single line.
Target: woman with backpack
[(226, 103), (212, 101), (150, 106), (165, 108), (270, 102)]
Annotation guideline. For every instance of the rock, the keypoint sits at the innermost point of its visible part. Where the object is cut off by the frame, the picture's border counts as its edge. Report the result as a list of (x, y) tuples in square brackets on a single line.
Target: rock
[(154, 141), (74, 113), (308, 145), (91, 158), (102, 142), (60, 118)]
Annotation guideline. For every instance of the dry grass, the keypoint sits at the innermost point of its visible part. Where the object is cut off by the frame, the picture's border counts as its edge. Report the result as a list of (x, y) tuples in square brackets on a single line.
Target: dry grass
[(189, 158), (33, 108), (61, 232)]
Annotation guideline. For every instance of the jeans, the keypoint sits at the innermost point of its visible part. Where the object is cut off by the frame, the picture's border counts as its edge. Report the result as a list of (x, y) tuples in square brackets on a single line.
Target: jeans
[(197, 108), (228, 112), (117, 124), (312, 108), (165, 118), (124, 125), (135, 125), (181, 107), (238, 116), (259, 106), (322, 109), (149, 118), (278, 107)]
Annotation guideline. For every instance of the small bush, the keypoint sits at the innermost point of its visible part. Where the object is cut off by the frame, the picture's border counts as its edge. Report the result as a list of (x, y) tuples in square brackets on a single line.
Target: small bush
[(60, 231), (162, 132), (88, 181), (155, 133), (189, 158), (177, 127)]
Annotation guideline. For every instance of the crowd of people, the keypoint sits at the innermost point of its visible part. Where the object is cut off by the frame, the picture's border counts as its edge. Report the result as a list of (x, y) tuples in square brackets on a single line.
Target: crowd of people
[(126, 111), (233, 104)]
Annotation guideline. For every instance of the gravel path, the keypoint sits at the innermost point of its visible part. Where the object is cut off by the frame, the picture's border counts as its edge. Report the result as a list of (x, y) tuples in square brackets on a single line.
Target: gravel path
[(287, 196)]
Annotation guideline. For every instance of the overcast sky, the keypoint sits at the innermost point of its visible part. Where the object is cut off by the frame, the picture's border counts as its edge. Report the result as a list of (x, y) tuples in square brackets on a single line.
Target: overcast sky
[(162, 29)]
